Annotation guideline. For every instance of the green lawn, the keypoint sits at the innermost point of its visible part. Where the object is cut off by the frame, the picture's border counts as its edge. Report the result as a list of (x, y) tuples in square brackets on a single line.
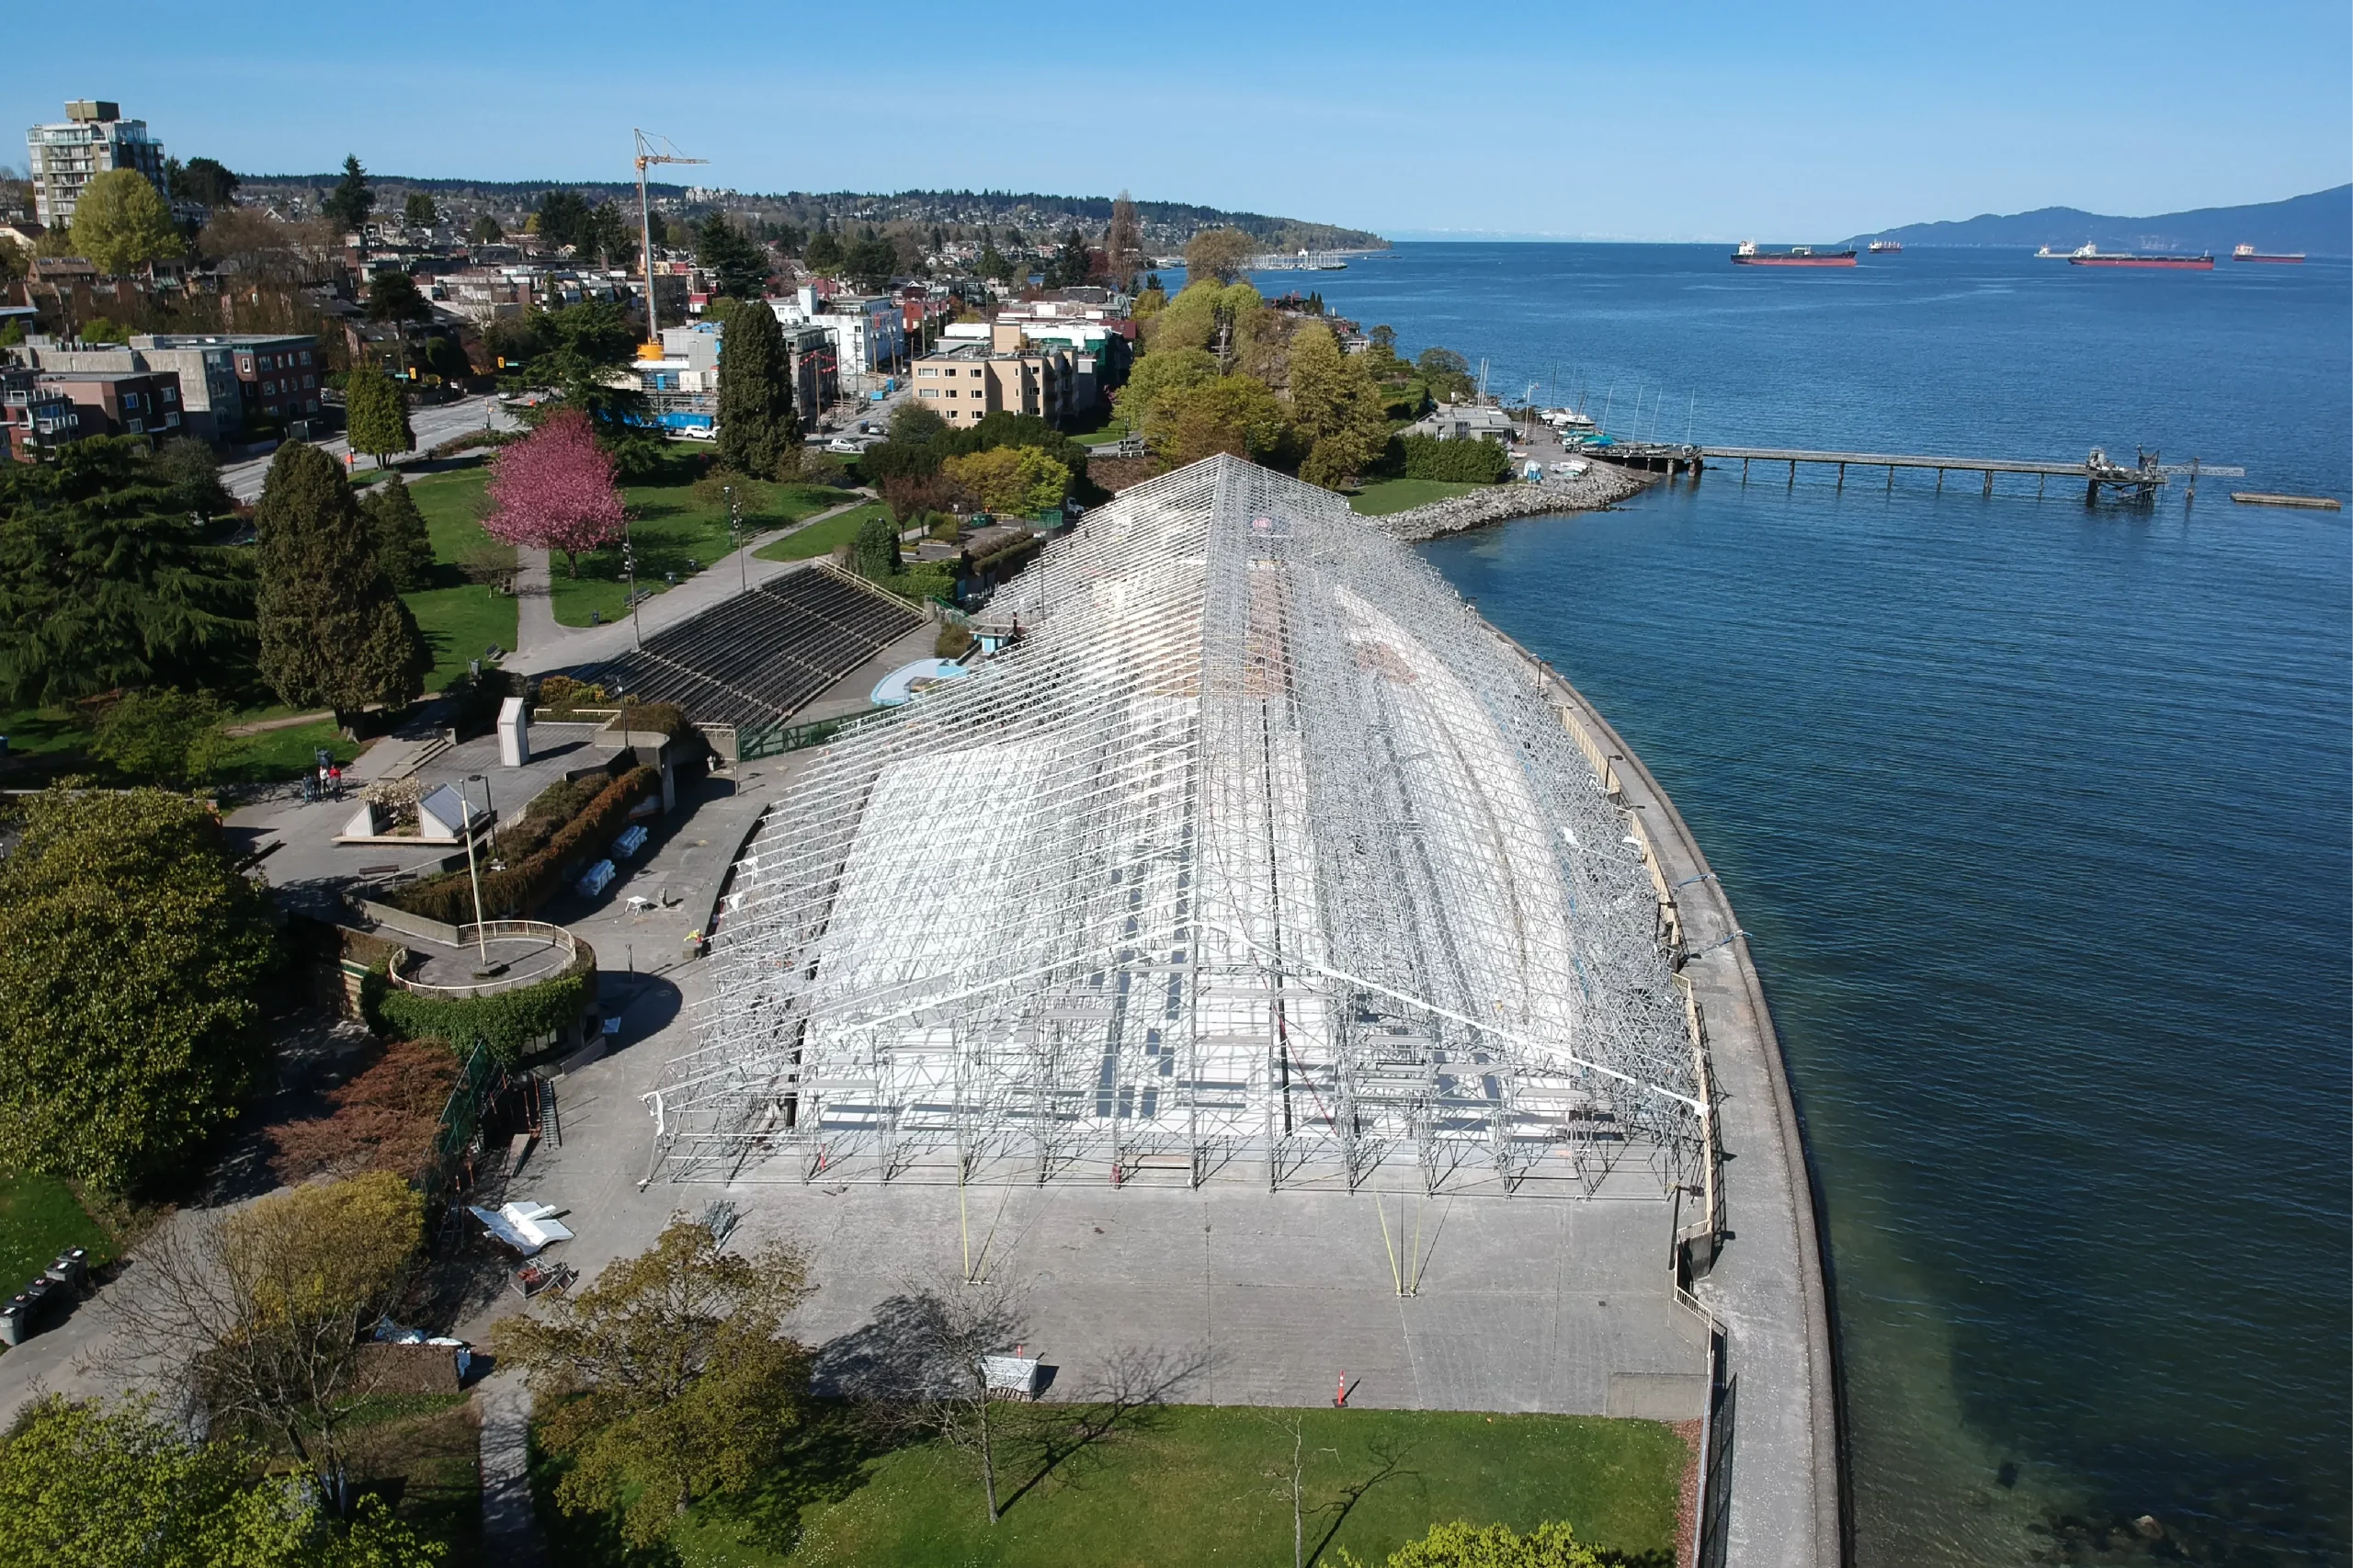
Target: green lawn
[(460, 620), (819, 538), (1192, 1485), (424, 1453), (673, 531), (1383, 496), (43, 732), (281, 753), (39, 1216)]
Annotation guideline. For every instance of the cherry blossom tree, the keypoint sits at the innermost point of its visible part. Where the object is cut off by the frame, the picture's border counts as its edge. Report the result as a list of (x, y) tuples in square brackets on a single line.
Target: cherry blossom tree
[(553, 490)]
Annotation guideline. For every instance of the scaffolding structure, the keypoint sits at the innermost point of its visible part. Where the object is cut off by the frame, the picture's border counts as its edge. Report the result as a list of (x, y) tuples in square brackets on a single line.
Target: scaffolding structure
[(1258, 856)]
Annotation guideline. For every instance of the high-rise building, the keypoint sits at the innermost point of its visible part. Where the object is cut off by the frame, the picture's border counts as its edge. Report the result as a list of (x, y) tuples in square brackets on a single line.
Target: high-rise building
[(93, 139)]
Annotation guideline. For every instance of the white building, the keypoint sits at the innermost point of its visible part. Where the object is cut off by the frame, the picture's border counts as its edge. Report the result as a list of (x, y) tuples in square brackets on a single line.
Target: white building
[(869, 335), (94, 138)]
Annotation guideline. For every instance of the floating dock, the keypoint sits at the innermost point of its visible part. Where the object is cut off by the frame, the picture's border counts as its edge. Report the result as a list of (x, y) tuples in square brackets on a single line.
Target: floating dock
[(2264, 498)]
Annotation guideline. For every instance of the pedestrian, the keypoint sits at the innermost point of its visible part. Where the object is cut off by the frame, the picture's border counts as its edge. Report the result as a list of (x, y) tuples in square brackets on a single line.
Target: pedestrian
[(335, 778)]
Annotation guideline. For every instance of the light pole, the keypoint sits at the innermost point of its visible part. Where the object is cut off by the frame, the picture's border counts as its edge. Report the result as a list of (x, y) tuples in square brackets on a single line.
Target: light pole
[(629, 567), (736, 537), (474, 870)]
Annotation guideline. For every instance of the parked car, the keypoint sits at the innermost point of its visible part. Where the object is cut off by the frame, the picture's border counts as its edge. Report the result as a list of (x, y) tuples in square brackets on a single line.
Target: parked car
[(695, 433)]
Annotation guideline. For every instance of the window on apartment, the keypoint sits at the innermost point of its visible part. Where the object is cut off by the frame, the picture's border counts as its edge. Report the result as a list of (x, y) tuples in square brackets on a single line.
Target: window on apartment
[(244, 367), (312, 406), (270, 389), (130, 400), (171, 422), (134, 426), (171, 394), (306, 355)]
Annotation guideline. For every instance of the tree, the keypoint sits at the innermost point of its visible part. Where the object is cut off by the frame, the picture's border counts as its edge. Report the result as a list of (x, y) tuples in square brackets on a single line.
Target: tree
[(260, 1312), (669, 1378), (1072, 265), (553, 490), (737, 263), (106, 580), (757, 431), (1221, 254), (1231, 414), (121, 224), (417, 212), (608, 235), (130, 953), (1446, 373), (872, 262), (206, 180), (165, 737), (563, 218), (403, 542), (392, 297), (486, 230), (1462, 1545), (1157, 375), (995, 266), (824, 252), (348, 205), (1123, 242), (581, 348), (376, 414), (332, 630), (1018, 479), (1337, 406), (943, 1384), (874, 552)]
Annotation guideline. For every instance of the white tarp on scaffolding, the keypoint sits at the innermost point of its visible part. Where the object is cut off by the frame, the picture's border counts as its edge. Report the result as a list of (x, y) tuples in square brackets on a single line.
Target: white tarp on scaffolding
[(1261, 855)]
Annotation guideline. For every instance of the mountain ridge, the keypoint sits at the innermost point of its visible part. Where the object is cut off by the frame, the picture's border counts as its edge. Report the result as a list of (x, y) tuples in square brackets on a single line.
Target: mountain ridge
[(2317, 223)]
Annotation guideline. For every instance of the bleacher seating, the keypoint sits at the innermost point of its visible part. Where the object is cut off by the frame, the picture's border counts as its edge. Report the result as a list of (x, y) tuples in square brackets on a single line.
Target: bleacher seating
[(762, 654)]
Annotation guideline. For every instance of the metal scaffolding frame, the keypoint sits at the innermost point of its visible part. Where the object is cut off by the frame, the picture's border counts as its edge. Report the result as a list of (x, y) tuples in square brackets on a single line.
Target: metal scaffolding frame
[(1258, 856)]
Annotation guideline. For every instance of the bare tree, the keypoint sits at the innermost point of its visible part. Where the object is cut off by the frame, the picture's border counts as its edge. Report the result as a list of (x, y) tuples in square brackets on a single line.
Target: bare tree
[(958, 1327), (258, 1313)]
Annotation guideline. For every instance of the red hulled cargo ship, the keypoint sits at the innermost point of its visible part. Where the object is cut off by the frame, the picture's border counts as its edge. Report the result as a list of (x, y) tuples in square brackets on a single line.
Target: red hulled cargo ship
[(1796, 255)]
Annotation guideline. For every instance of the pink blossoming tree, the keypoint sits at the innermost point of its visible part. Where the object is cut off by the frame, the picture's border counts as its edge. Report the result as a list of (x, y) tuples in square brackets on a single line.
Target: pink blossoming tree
[(553, 490)]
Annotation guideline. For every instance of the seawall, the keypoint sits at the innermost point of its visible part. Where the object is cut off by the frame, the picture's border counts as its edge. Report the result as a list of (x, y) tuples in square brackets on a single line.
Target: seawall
[(1785, 1497), (1599, 487)]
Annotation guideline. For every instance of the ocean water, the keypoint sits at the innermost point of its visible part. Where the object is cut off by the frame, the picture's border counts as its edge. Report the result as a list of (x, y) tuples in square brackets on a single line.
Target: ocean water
[(2038, 817)]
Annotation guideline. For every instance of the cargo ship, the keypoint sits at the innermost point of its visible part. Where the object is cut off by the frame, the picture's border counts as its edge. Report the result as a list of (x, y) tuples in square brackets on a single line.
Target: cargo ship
[(1796, 255), (2092, 255), (1887, 247), (2248, 253)]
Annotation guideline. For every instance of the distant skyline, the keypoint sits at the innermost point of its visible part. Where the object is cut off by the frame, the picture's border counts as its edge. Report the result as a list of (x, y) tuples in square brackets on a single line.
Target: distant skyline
[(1692, 121)]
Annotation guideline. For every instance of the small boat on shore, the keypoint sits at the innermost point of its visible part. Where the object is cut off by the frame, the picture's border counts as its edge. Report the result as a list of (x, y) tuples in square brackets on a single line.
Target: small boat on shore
[(1796, 255), (2248, 253)]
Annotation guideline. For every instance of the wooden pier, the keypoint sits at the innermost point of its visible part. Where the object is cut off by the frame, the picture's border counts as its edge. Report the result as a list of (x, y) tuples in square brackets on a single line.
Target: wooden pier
[(2101, 477)]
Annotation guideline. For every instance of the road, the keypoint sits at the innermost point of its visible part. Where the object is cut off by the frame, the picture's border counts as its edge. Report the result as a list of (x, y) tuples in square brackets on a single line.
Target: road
[(433, 425)]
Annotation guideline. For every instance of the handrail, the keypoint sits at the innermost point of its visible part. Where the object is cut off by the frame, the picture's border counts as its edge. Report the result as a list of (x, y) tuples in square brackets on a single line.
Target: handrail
[(489, 930)]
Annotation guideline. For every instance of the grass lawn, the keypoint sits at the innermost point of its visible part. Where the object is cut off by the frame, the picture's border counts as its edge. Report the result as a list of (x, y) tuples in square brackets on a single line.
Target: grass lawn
[(1195, 1485), (1383, 496), (42, 731), (820, 538), (458, 618), (673, 531), (423, 1453), (281, 753), (39, 1216)]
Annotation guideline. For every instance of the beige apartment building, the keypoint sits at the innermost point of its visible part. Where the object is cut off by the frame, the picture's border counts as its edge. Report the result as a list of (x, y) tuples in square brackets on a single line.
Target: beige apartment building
[(968, 380)]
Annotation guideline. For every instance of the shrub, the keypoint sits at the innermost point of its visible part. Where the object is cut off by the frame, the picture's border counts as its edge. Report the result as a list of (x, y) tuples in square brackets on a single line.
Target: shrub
[(507, 1021), (383, 1120), (953, 641), (662, 718), (1463, 462), (534, 879)]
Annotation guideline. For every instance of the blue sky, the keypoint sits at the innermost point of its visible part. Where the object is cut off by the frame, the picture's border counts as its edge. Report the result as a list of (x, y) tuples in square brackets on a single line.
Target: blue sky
[(1784, 122)]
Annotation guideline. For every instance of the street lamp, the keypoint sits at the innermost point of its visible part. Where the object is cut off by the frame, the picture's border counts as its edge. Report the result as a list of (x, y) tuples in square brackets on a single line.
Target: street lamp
[(735, 537), (628, 566)]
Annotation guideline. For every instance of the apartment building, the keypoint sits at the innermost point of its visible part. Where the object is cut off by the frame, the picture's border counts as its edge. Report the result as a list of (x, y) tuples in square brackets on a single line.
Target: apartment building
[(93, 139), (869, 336), (34, 415), (230, 384), (121, 402), (968, 381)]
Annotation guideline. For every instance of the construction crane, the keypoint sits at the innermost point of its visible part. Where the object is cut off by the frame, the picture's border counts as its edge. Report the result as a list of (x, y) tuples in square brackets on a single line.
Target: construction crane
[(653, 149)]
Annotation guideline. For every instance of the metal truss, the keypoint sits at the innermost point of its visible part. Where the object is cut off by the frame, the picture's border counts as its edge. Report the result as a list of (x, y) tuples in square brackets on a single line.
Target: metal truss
[(1259, 857)]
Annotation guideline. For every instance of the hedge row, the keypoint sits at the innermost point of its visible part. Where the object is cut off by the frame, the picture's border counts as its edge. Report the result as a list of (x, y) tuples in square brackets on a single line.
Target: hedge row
[(523, 887), (1461, 462), (508, 1021)]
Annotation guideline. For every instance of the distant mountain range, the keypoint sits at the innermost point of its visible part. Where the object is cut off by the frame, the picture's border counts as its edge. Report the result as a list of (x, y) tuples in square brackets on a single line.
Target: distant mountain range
[(2318, 224)]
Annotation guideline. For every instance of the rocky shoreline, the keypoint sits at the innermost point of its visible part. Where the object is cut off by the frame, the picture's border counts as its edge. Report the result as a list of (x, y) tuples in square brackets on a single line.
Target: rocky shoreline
[(1599, 487)]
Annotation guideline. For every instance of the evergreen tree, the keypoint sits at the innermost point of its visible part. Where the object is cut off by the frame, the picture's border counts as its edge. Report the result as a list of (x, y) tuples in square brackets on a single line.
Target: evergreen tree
[(757, 431), (106, 582), (348, 205), (404, 544), (376, 412), (332, 630), (737, 263), (824, 252)]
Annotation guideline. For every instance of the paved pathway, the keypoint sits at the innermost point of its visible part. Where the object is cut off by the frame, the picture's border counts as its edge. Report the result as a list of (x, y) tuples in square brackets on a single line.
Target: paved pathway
[(510, 1527), (433, 425), (548, 645)]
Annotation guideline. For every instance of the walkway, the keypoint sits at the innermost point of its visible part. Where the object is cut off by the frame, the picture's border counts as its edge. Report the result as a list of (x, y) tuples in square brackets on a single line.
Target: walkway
[(546, 644), (510, 1526)]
